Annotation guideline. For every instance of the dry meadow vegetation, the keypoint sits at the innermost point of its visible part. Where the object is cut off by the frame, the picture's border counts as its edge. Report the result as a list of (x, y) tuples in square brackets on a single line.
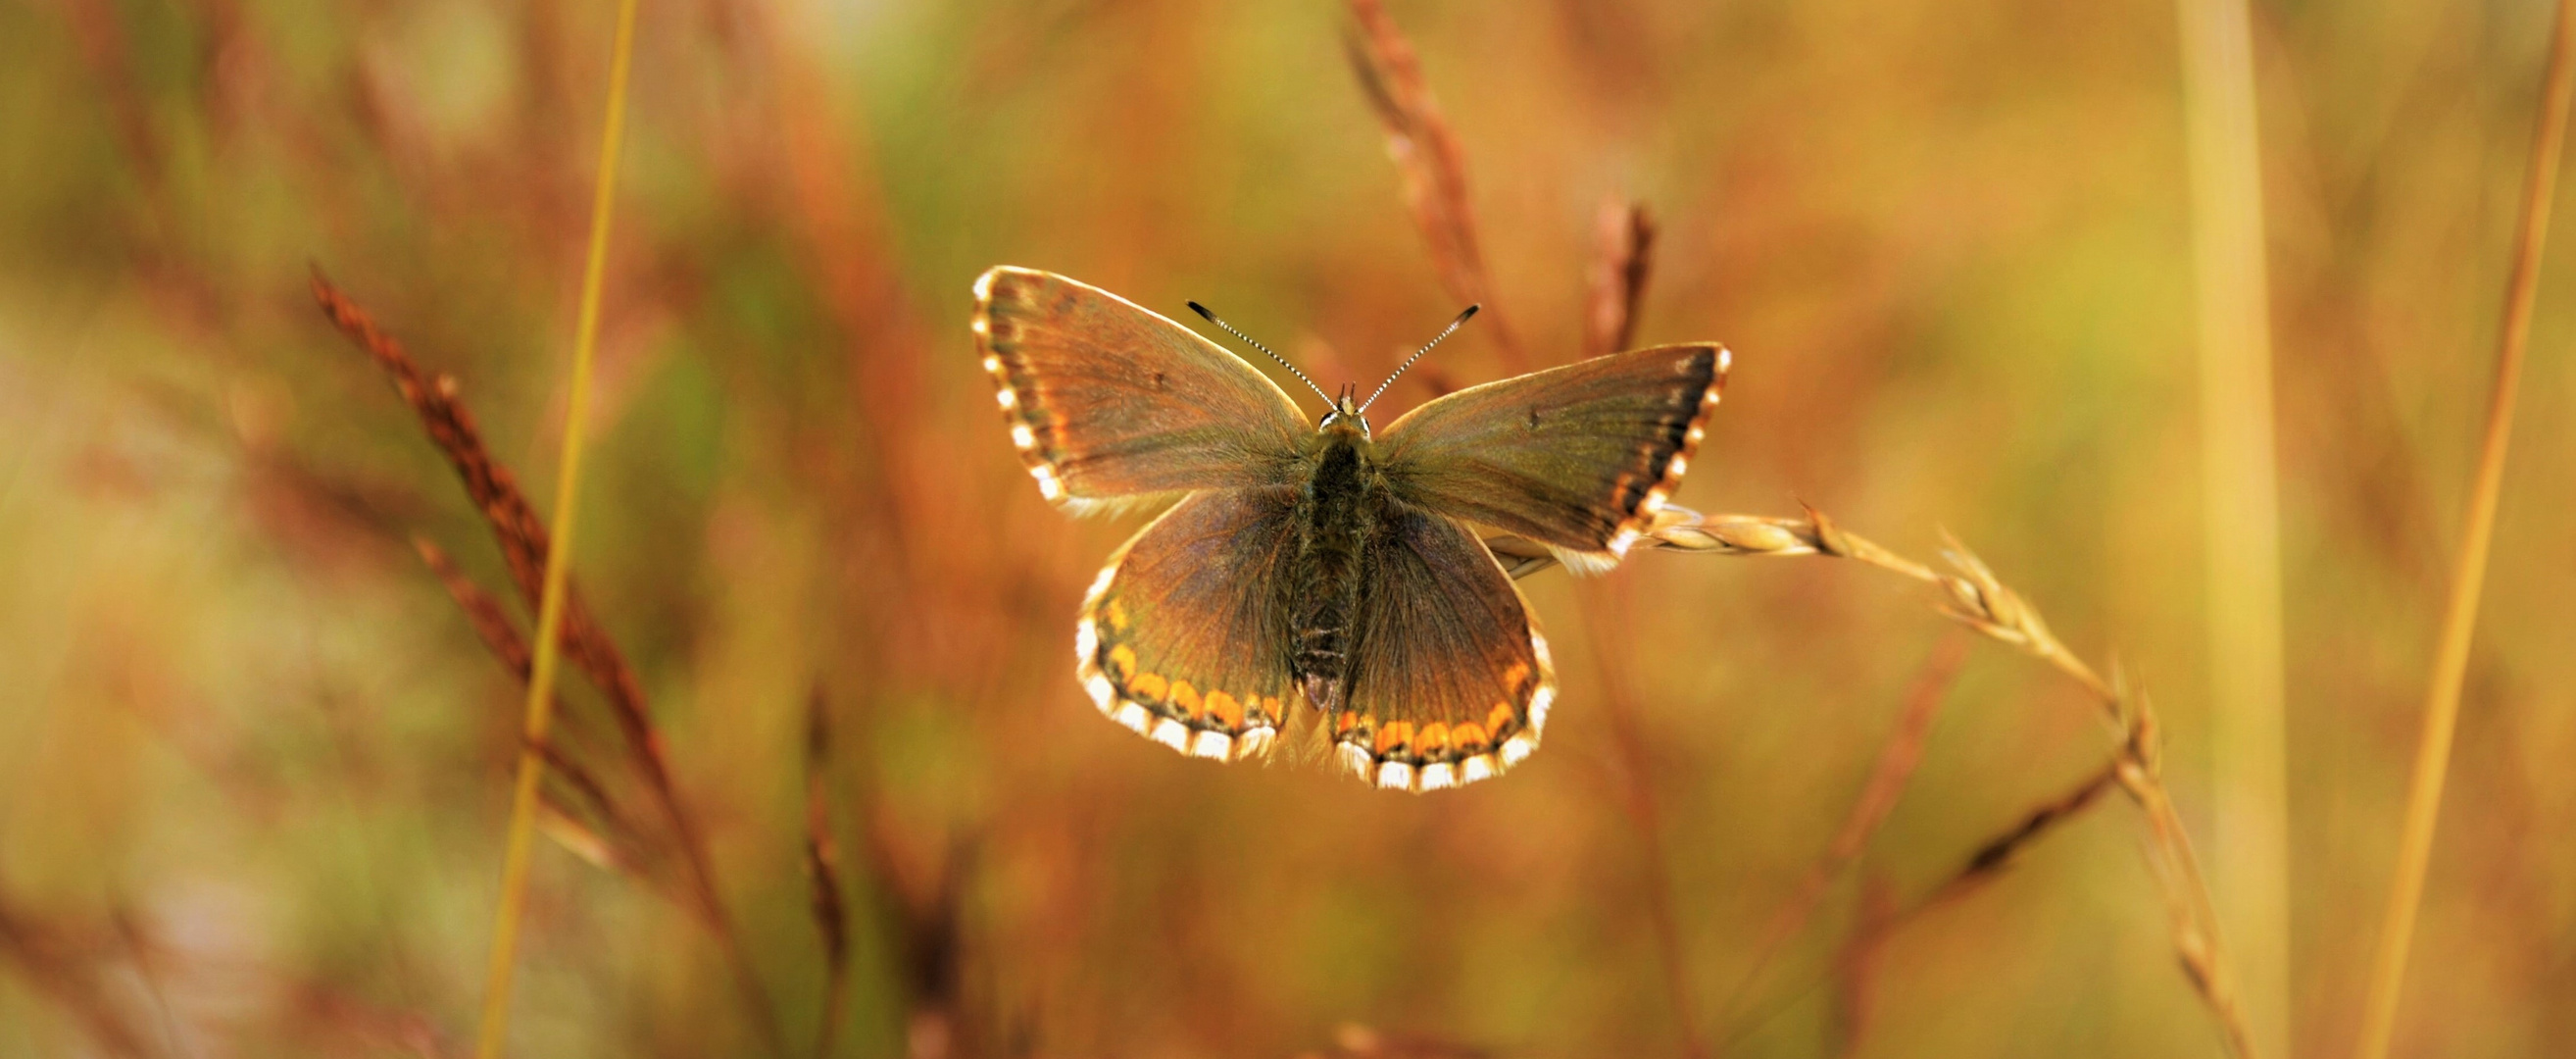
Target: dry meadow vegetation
[(286, 294)]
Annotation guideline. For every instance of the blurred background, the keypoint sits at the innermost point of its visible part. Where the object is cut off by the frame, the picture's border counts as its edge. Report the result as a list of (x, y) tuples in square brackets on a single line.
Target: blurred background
[(254, 758)]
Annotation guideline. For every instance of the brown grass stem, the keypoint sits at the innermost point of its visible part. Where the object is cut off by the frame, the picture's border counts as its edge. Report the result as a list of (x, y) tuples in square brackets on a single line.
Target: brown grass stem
[(525, 543), (1887, 777), (521, 534), (1972, 595), (1624, 261), (1881, 919), (613, 843), (59, 967), (1427, 154), (491, 1039), (2468, 575), (1604, 608), (823, 873), (526, 546), (1857, 963), (1992, 855)]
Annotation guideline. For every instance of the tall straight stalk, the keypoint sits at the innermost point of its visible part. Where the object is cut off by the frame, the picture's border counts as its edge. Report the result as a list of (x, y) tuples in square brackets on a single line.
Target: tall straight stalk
[(550, 606), (2468, 576), (2241, 517)]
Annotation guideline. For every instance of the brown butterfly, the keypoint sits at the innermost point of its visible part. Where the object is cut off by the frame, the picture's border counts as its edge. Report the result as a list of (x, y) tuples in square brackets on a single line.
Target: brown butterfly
[(1311, 561)]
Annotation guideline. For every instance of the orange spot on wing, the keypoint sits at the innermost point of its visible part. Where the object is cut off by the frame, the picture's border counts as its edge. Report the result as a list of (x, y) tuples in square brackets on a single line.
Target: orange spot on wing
[(1185, 700), (1344, 722), (1147, 687), (1432, 741), (1122, 661), (1270, 709), (1513, 677), (1470, 738), (1117, 615), (1501, 719), (1222, 708), (1395, 736)]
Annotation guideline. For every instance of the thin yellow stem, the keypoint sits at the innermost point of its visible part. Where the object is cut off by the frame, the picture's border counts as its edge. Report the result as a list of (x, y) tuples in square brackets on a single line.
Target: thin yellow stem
[(2468, 578), (550, 606)]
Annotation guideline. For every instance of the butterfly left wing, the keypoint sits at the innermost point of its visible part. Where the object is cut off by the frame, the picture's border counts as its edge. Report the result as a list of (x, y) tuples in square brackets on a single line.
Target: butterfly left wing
[(1449, 681), (1181, 639), (1579, 457), (1108, 400)]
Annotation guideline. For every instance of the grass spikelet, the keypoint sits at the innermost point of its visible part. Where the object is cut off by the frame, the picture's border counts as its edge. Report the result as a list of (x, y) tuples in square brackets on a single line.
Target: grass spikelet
[(525, 544), (1426, 152), (1619, 272)]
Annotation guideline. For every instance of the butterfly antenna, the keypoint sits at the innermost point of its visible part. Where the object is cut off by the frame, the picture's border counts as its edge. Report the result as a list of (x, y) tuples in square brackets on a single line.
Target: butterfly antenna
[(1247, 340), (1417, 355)]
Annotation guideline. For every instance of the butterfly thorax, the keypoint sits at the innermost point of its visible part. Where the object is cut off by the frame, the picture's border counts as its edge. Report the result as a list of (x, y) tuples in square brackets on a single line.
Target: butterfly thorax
[(1339, 511)]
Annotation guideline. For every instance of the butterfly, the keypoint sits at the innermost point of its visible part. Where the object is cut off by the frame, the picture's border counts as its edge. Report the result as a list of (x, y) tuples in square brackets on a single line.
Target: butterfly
[(1309, 561)]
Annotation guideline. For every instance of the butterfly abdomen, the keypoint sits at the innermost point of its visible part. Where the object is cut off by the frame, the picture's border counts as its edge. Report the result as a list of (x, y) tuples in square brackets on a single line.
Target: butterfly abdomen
[(1335, 523)]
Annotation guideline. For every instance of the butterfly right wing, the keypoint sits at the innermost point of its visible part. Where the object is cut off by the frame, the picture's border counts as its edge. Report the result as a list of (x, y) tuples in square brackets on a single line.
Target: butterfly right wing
[(1578, 457), (1181, 639), (1108, 400)]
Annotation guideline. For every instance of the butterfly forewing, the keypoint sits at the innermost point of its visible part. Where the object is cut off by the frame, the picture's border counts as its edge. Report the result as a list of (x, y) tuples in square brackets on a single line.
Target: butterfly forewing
[(1579, 457), (1108, 400), (1449, 681), (1181, 639)]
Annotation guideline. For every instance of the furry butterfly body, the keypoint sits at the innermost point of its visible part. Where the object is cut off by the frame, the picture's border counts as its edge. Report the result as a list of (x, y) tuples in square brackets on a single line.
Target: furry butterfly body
[(1316, 563)]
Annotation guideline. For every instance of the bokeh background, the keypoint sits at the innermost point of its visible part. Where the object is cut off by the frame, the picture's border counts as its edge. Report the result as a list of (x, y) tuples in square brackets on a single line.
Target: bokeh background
[(254, 759)]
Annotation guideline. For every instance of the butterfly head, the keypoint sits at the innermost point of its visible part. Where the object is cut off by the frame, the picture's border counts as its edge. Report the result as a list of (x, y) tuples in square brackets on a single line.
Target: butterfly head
[(1347, 413)]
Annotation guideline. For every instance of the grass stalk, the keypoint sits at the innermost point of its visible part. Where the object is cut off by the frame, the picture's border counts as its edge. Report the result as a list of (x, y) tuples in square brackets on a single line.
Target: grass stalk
[(525, 543), (1433, 166), (1975, 597), (1603, 609), (495, 1022), (2241, 516), (823, 874), (2468, 576), (1887, 778), (1624, 259), (1881, 918), (1426, 152)]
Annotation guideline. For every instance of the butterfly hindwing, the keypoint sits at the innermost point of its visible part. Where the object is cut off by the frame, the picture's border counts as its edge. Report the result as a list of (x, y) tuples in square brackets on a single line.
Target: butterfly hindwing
[(1578, 457), (1108, 400), (1181, 639), (1449, 681)]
